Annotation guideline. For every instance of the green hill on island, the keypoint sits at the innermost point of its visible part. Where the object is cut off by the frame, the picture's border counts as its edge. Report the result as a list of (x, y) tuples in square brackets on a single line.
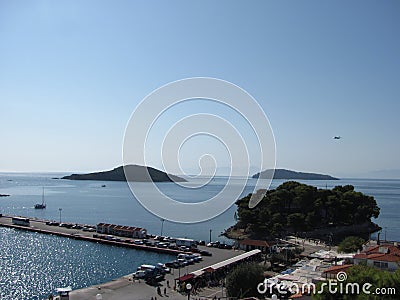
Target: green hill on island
[(132, 173), (288, 174), (295, 208)]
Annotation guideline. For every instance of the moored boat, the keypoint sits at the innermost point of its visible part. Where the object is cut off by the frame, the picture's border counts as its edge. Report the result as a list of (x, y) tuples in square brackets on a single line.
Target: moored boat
[(41, 205)]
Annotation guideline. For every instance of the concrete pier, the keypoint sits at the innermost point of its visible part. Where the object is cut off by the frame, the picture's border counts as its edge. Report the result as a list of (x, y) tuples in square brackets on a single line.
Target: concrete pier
[(126, 287), (41, 227)]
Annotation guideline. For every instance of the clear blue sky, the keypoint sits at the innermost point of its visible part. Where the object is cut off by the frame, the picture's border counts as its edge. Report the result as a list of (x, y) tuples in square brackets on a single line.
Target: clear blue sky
[(71, 73)]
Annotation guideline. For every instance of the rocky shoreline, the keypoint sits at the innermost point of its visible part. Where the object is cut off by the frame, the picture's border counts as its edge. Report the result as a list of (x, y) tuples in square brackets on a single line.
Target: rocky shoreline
[(4, 195), (336, 233)]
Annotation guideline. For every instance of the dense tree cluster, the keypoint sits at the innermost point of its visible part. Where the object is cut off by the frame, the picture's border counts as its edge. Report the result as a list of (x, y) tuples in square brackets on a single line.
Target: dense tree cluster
[(243, 280), (297, 207), (351, 244), (373, 280)]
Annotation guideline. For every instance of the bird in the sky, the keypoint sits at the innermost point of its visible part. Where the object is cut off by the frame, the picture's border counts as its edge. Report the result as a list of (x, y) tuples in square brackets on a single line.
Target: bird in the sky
[(338, 137)]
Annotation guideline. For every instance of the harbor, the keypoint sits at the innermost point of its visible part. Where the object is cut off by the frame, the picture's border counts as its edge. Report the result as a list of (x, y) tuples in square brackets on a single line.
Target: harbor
[(173, 284), (40, 226), (105, 264)]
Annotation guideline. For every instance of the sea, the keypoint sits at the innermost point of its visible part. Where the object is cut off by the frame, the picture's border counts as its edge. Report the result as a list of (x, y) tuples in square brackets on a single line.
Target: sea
[(33, 265)]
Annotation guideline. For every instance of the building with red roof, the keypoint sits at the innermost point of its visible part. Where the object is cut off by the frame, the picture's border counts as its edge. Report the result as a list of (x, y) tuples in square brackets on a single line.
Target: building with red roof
[(332, 271), (122, 230), (385, 257), (249, 244)]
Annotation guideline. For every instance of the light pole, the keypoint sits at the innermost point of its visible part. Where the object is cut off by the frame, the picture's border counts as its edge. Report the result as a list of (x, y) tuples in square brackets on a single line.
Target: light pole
[(210, 235), (162, 226), (60, 209), (188, 288)]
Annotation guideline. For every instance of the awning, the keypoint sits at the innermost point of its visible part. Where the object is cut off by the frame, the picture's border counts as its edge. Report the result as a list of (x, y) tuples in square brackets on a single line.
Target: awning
[(227, 262), (185, 277), (209, 270)]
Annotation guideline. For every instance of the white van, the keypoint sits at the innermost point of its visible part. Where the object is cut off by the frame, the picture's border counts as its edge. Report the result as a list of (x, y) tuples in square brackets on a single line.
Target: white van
[(186, 242), (146, 267)]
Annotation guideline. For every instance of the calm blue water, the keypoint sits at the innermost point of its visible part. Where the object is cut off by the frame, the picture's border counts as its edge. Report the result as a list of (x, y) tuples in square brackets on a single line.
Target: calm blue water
[(33, 265), (30, 263)]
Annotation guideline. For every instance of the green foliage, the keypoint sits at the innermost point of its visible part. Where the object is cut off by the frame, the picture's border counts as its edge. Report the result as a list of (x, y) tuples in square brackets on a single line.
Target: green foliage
[(243, 280), (363, 275), (351, 244), (297, 207)]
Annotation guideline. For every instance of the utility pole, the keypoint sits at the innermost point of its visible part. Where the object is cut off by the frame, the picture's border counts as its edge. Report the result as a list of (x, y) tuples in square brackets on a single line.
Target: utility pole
[(162, 226), (60, 209)]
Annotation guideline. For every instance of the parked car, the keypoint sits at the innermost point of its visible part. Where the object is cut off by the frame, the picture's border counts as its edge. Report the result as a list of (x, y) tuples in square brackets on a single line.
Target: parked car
[(182, 262), (163, 267), (197, 257), (205, 253), (184, 248), (173, 264), (140, 274), (147, 243)]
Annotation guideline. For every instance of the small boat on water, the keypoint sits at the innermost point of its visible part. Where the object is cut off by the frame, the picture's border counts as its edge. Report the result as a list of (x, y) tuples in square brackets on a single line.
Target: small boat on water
[(41, 205)]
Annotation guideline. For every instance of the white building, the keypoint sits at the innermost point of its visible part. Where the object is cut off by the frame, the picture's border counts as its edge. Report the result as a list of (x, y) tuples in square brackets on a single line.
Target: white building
[(121, 230), (385, 257)]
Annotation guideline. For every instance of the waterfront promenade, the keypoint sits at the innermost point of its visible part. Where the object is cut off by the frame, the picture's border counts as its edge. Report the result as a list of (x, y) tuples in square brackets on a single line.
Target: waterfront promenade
[(41, 227), (126, 287)]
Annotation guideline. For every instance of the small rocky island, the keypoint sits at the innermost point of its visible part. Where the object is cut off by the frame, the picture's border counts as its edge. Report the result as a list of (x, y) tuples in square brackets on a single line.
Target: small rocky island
[(288, 174), (298, 209), (4, 195), (131, 173)]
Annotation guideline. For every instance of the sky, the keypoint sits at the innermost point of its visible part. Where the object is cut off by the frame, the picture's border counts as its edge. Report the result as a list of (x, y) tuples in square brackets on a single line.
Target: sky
[(73, 72)]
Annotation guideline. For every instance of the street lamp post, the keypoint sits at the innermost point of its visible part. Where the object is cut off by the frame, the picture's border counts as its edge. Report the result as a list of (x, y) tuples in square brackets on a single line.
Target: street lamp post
[(162, 226), (60, 209), (222, 287), (188, 288)]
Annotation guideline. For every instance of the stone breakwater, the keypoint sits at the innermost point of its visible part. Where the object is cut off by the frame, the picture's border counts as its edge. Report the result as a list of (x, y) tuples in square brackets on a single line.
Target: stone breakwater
[(41, 227)]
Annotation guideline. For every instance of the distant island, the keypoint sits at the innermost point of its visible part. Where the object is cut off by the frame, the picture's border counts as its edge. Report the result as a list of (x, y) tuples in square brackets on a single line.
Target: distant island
[(133, 173), (288, 174), (3, 195)]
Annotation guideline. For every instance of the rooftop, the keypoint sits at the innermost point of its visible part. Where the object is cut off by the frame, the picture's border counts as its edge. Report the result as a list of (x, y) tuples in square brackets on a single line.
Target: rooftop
[(389, 253), (337, 269), (251, 242)]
